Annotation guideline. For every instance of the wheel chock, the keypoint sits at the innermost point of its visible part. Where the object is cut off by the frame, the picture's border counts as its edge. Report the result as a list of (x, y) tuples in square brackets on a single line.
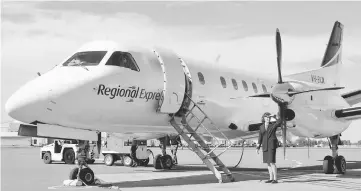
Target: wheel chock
[(97, 181), (73, 183)]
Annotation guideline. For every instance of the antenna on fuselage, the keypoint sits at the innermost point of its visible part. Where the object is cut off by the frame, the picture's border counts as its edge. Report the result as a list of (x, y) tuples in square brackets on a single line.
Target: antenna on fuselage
[(218, 57), (216, 61)]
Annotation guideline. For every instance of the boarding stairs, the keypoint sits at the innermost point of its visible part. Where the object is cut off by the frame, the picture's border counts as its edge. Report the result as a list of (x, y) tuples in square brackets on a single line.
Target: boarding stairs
[(181, 122)]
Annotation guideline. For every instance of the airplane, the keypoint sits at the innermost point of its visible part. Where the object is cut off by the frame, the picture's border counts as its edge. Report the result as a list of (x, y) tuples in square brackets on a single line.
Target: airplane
[(109, 87)]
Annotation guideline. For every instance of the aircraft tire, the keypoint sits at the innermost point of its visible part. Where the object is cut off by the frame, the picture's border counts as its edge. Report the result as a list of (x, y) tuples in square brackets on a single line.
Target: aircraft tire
[(340, 163), (87, 176), (328, 165), (109, 160), (47, 158), (158, 161), (167, 162), (69, 156), (73, 173)]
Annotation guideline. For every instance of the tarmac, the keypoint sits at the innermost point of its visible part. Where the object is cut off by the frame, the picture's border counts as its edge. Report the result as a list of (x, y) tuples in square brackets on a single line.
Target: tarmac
[(22, 169)]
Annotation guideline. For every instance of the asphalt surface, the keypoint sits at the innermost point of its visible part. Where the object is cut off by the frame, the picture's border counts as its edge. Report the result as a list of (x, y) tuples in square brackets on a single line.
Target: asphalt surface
[(22, 169)]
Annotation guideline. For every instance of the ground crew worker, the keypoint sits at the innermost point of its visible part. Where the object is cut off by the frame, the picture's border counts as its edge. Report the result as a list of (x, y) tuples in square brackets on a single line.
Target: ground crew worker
[(163, 142), (174, 147), (133, 153), (82, 156)]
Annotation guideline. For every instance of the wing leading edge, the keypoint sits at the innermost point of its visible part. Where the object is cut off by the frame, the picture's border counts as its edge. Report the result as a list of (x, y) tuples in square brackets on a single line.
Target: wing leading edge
[(352, 97), (352, 113)]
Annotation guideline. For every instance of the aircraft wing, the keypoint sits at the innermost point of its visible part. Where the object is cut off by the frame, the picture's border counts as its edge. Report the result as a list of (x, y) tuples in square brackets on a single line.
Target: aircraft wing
[(352, 97), (142, 136), (352, 113)]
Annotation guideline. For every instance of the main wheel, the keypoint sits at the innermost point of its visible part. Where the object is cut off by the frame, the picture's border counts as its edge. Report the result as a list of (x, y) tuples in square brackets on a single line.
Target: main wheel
[(127, 160), (109, 160), (158, 161), (69, 156), (47, 158), (167, 162), (328, 165), (340, 163)]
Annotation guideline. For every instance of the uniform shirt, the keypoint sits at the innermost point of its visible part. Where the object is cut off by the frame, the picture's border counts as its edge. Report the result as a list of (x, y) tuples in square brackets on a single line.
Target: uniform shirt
[(267, 137)]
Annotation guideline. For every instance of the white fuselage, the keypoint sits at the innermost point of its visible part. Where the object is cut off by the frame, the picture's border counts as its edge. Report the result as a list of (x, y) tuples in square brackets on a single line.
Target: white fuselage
[(116, 99)]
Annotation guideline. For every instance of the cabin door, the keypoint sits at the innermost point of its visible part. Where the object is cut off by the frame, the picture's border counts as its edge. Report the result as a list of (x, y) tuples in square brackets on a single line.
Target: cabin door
[(174, 83)]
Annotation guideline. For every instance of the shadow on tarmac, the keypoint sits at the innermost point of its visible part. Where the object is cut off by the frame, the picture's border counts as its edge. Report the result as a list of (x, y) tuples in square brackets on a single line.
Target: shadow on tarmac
[(287, 175)]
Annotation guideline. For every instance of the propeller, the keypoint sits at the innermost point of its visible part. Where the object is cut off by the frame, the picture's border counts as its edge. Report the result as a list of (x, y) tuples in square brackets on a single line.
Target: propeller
[(281, 105)]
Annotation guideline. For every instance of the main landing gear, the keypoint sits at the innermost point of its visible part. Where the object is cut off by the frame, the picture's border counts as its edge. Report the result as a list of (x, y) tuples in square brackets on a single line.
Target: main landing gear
[(163, 161), (335, 164)]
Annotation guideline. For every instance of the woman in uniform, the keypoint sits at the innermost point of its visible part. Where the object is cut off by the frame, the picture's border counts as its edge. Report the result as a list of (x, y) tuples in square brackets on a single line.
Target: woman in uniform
[(269, 142)]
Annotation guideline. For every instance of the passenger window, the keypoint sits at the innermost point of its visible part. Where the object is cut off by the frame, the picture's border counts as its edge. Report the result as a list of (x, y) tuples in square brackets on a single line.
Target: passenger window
[(201, 78), (123, 59), (264, 88), (234, 82), (245, 87), (254, 87), (223, 82)]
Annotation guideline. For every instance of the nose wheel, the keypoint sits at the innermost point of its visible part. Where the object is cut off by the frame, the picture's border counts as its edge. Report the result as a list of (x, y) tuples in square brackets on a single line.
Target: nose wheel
[(86, 175)]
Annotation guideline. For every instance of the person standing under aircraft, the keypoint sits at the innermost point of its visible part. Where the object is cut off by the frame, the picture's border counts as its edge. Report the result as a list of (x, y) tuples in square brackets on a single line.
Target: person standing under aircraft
[(133, 153), (163, 142), (268, 140), (82, 156), (174, 142)]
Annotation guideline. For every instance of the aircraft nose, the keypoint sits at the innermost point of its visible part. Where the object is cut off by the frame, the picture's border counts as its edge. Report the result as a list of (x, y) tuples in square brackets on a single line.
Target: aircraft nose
[(24, 105)]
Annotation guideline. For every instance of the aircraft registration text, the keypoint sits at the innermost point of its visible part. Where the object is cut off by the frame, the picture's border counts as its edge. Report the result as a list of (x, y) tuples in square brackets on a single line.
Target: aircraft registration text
[(317, 79)]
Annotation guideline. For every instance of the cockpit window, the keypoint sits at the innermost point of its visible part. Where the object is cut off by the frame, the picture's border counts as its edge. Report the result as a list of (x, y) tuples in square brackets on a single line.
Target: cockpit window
[(89, 58), (123, 59)]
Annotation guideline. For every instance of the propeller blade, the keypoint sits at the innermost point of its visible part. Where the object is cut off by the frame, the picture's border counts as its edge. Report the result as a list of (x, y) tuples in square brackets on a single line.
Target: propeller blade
[(261, 95), (282, 109), (284, 131), (322, 89), (279, 55)]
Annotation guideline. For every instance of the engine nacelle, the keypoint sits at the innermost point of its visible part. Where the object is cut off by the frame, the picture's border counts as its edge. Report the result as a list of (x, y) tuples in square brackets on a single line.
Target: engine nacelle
[(289, 114)]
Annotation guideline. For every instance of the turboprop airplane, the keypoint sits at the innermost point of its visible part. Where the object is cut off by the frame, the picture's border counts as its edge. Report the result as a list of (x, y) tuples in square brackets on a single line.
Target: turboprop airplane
[(108, 87)]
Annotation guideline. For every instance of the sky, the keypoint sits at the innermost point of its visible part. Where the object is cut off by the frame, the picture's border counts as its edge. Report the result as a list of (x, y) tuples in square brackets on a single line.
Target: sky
[(35, 36)]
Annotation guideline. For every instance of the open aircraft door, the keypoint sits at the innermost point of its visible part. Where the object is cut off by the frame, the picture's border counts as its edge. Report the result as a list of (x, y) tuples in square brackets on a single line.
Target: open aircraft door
[(174, 81)]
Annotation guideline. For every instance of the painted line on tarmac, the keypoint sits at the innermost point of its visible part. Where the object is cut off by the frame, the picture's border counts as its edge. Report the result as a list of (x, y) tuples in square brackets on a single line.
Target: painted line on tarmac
[(70, 187)]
